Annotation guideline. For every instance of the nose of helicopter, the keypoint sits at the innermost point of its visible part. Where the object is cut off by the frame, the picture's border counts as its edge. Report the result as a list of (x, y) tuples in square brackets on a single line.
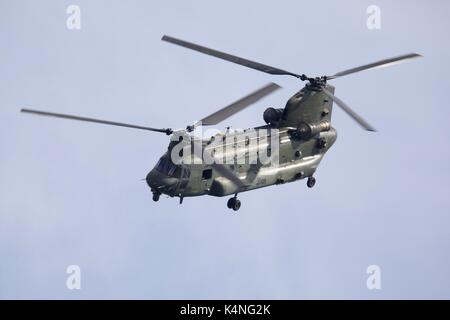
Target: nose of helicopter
[(161, 182)]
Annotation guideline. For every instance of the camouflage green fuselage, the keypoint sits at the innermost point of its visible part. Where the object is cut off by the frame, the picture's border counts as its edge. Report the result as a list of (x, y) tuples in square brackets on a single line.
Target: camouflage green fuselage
[(298, 158)]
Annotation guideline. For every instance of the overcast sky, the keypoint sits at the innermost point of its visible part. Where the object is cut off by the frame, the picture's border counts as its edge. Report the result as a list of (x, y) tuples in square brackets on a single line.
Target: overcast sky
[(71, 193)]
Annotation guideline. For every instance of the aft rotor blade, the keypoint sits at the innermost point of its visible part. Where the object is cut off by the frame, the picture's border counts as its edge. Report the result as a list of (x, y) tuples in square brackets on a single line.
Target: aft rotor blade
[(379, 64), (229, 57), (72, 117), (349, 111), (239, 105)]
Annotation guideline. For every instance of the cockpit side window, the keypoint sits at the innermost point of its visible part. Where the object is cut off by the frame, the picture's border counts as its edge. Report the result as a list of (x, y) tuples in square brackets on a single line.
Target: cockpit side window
[(165, 166), (171, 170)]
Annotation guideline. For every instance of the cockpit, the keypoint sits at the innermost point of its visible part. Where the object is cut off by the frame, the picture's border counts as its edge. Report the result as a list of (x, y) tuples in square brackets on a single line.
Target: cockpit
[(167, 167)]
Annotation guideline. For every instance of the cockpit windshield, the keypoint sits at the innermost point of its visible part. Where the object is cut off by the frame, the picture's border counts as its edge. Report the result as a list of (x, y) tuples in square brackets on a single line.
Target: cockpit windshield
[(166, 166)]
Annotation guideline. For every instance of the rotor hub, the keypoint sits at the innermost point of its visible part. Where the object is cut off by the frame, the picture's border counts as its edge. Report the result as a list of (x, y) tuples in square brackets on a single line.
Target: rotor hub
[(314, 82)]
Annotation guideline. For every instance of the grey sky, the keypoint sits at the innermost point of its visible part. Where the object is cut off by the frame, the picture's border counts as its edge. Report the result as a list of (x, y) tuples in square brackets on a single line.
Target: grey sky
[(70, 193)]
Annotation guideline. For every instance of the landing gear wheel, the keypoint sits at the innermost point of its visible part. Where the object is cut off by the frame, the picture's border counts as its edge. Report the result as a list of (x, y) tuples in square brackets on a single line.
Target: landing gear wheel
[(156, 196), (311, 182), (230, 203), (237, 205), (234, 203)]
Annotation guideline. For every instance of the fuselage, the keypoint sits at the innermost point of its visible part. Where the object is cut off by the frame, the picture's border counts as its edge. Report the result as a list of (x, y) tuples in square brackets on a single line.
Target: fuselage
[(297, 157)]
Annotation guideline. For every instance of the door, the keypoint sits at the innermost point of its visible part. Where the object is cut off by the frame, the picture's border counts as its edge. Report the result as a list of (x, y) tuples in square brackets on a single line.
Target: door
[(184, 178)]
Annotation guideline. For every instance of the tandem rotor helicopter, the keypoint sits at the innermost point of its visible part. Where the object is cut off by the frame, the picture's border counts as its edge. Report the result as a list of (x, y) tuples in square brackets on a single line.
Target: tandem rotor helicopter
[(304, 131)]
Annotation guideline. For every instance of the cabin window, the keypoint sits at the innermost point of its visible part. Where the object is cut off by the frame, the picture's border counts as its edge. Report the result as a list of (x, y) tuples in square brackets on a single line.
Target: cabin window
[(207, 174)]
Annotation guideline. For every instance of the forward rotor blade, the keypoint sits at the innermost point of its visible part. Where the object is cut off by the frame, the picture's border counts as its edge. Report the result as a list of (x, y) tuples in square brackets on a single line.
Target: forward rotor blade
[(349, 111), (228, 173), (239, 105), (220, 168), (379, 64), (229, 57), (72, 117)]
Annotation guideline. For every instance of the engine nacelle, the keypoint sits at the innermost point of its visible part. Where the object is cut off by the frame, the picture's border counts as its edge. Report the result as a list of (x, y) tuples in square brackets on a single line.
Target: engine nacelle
[(272, 116), (306, 131)]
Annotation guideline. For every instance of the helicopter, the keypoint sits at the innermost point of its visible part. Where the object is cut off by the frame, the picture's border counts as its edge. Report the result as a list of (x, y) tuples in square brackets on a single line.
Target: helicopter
[(300, 134)]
